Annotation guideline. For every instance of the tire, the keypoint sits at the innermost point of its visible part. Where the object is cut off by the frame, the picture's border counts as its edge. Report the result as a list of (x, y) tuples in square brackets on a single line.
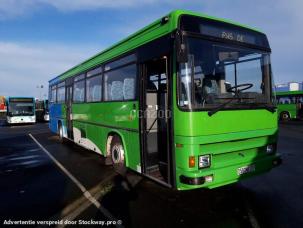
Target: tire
[(284, 116), (117, 155), (60, 133)]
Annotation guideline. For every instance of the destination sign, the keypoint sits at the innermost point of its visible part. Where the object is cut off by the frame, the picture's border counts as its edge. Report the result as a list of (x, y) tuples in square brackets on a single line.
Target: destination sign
[(228, 34), (222, 30), (26, 100)]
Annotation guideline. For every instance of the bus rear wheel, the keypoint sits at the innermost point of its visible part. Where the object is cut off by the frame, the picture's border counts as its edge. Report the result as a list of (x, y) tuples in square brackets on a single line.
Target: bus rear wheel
[(117, 155), (284, 116), (60, 133)]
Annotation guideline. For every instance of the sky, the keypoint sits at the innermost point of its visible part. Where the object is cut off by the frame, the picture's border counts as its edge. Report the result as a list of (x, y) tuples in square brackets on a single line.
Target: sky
[(39, 39)]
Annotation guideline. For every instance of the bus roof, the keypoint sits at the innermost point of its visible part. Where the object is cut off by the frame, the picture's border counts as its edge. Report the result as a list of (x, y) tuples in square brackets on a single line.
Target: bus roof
[(144, 35), (298, 92)]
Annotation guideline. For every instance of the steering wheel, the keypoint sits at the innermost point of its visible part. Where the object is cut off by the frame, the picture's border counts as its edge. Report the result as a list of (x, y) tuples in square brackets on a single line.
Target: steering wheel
[(234, 89)]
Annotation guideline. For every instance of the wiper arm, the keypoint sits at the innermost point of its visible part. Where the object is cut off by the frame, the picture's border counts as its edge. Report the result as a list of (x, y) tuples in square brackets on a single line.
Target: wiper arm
[(234, 89), (269, 108), (217, 109)]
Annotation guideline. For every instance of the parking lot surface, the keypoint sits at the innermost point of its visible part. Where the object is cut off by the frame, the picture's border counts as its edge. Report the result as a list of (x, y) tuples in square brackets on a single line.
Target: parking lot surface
[(43, 179)]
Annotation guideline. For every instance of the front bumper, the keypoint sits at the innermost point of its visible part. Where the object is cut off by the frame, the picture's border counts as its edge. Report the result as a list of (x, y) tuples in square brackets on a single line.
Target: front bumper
[(225, 175), (21, 119)]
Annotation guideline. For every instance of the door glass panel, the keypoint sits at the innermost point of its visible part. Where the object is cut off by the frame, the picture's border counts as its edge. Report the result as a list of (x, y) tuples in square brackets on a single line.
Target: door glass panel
[(156, 135)]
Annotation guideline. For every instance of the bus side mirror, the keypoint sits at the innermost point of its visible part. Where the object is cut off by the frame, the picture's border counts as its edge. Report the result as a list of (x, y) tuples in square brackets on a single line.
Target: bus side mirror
[(227, 86), (181, 50)]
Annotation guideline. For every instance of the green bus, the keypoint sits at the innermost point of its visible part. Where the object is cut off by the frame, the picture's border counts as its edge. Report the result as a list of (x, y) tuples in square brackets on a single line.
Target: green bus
[(186, 101), (290, 105)]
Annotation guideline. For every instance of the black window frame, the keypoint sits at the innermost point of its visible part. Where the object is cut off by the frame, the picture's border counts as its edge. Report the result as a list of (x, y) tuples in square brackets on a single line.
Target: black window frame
[(120, 61), (93, 70)]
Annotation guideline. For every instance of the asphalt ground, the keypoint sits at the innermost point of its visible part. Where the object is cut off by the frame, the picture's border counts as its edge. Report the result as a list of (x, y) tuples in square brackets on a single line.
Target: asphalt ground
[(44, 180)]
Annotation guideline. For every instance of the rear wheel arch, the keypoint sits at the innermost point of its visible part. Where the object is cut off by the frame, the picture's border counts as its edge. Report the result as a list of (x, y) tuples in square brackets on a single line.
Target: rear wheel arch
[(113, 135), (285, 115), (59, 124), (60, 130)]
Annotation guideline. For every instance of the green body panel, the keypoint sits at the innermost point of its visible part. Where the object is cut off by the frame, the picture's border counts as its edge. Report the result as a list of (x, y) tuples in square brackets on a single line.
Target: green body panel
[(99, 120), (199, 123)]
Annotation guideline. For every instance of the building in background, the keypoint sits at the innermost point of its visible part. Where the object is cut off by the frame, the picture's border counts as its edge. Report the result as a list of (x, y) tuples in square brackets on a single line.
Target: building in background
[(290, 86), (2, 107)]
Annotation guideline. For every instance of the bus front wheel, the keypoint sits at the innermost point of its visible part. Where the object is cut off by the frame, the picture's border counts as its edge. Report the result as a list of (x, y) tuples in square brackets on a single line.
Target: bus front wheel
[(117, 155), (284, 116)]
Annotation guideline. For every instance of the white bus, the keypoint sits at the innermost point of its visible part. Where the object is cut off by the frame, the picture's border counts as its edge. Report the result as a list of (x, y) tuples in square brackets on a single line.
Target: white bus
[(21, 110)]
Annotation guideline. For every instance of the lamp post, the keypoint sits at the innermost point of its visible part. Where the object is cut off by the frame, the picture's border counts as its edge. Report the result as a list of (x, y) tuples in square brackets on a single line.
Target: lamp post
[(40, 88)]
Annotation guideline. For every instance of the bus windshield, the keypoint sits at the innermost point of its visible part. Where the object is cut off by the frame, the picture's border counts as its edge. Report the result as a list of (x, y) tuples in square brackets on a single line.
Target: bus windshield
[(219, 72), (20, 109)]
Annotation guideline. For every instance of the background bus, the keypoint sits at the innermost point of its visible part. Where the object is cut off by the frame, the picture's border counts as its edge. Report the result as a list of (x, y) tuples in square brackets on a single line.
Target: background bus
[(42, 113), (186, 101), (290, 105), (20, 110), (2, 107)]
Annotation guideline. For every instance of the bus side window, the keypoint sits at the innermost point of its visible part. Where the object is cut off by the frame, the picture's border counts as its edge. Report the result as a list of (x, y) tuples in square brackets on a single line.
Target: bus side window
[(120, 84), (93, 89), (129, 89), (117, 91)]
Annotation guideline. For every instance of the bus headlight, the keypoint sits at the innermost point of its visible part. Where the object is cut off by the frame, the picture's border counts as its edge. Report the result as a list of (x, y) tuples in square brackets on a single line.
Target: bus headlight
[(204, 161), (270, 148)]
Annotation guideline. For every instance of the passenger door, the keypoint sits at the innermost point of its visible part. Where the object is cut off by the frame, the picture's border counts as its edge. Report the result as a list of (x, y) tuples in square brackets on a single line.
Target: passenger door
[(155, 134), (69, 123)]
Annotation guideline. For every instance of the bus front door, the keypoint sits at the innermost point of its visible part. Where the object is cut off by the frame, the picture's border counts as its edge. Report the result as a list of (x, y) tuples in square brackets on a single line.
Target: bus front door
[(155, 120), (69, 123)]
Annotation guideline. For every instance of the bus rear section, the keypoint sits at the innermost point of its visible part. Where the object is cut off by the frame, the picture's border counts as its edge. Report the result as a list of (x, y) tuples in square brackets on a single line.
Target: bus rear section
[(21, 110), (42, 111), (290, 105)]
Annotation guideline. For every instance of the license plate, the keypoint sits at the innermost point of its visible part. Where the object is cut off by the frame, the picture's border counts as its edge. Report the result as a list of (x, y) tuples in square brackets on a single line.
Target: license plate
[(246, 169)]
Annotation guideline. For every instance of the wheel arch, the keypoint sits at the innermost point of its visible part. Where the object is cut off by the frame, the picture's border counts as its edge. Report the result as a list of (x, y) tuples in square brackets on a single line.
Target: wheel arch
[(59, 123), (287, 112), (110, 135)]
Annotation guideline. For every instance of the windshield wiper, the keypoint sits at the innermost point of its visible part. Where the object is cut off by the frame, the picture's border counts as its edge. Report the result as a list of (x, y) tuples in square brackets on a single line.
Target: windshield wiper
[(269, 108), (272, 109), (215, 110), (236, 90)]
